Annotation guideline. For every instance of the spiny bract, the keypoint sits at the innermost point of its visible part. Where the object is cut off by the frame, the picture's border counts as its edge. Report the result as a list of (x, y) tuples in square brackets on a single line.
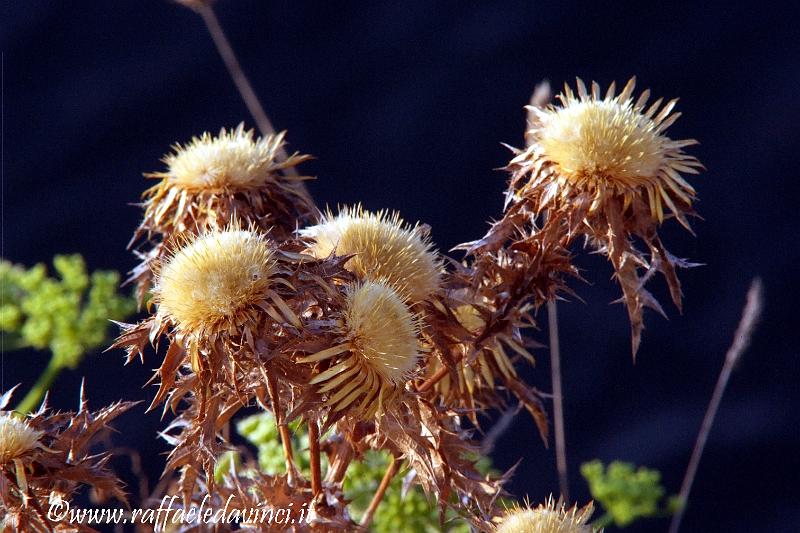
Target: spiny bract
[(385, 248), (213, 277)]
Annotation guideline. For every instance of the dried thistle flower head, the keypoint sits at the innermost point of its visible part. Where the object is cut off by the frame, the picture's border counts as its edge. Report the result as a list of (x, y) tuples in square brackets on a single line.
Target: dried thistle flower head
[(50, 455), (603, 167), (16, 437), (610, 146), (378, 356), (549, 517), (211, 282), (384, 247), (213, 181)]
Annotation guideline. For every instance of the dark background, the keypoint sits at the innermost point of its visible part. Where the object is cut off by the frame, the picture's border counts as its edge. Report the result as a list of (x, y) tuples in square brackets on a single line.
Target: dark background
[(404, 105)]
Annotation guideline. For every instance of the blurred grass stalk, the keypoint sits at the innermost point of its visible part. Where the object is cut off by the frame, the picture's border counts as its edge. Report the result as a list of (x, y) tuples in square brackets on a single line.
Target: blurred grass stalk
[(741, 340)]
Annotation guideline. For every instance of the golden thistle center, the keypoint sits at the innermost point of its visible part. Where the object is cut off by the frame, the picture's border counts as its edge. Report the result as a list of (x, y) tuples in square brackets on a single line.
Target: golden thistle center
[(602, 140), (382, 331), (233, 160), (213, 278), (16, 438), (383, 248)]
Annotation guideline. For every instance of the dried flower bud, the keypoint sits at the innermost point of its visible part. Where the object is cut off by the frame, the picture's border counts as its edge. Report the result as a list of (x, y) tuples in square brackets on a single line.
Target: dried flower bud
[(384, 248), (204, 176), (379, 355), (546, 518), (49, 456)]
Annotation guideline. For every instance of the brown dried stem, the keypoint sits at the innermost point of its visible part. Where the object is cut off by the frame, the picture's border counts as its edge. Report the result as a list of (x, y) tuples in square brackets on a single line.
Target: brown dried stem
[(206, 11), (558, 399), (433, 380), (741, 340), (283, 429), (313, 450), (391, 471)]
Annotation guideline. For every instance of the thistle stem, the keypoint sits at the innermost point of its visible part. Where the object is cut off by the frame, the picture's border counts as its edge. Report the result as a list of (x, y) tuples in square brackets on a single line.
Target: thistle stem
[(283, 429), (741, 340), (433, 380), (34, 397), (240, 79), (235, 69), (558, 399), (391, 471), (313, 450)]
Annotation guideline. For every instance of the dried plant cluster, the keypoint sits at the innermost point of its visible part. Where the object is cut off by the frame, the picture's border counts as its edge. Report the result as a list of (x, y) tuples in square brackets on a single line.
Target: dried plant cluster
[(356, 325), (47, 456)]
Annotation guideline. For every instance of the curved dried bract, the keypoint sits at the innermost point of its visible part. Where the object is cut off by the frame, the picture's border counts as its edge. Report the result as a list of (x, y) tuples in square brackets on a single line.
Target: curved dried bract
[(48, 456), (602, 167), (476, 329), (213, 181), (374, 356)]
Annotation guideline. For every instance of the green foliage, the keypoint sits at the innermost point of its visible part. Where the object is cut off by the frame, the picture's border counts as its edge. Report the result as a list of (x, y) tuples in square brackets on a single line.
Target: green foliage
[(68, 315), (625, 492)]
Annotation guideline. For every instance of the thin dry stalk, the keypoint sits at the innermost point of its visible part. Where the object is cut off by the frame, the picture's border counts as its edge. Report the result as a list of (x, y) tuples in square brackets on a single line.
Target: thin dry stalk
[(741, 340), (391, 471), (433, 380), (313, 450), (498, 429), (206, 11), (283, 429), (558, 399)]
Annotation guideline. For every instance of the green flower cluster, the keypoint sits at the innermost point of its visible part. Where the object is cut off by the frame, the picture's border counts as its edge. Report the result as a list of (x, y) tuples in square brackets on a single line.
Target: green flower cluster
[(69, 315), (626, 493)]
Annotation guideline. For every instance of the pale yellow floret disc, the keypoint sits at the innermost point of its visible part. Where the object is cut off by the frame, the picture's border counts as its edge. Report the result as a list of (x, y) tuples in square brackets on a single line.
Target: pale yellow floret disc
[(234, 159), (16, 438), (213, 277), (384, 248), (605, 140)]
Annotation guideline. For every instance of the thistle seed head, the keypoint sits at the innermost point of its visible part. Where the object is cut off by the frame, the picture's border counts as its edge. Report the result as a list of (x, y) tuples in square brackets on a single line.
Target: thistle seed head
[(211, 280), (234, 159), (384, 248), (382, 331), (379, 355), (604, 139), (608, 146)]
